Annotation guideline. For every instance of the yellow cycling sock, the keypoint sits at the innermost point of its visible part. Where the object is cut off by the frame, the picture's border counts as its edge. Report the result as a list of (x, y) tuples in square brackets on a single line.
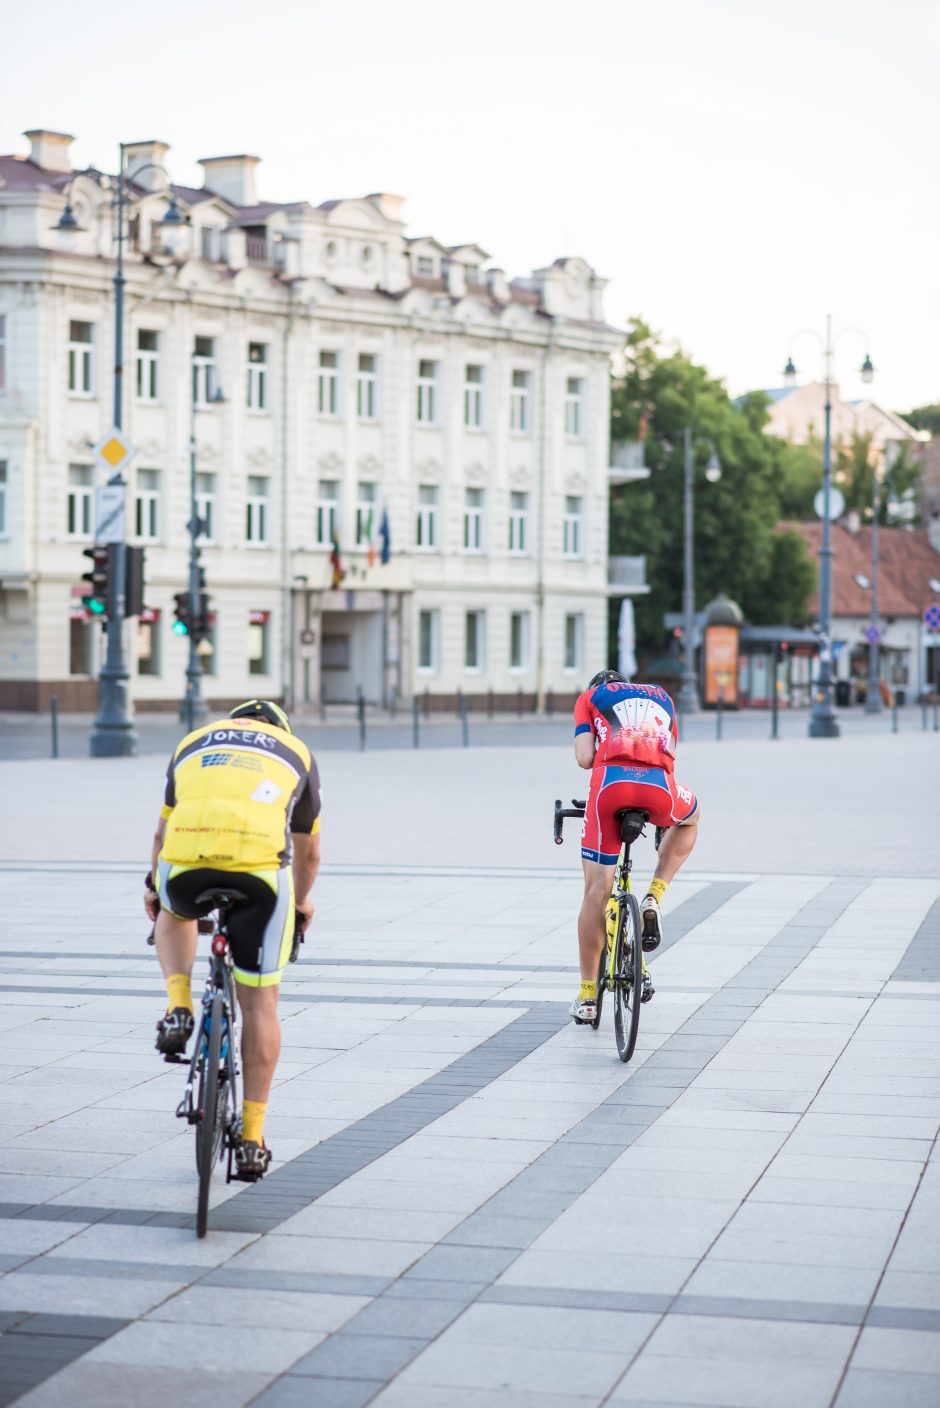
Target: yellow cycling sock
[(588, 990), (253, 1113), (179, 991), (657, 888)]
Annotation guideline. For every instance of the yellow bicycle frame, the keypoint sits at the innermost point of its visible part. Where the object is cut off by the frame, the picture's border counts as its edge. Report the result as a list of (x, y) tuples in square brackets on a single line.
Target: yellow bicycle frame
[(620, 887)]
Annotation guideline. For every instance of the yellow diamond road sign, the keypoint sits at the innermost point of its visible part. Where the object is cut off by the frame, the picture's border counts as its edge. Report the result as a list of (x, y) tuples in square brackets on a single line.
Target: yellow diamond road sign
[(114, 450)]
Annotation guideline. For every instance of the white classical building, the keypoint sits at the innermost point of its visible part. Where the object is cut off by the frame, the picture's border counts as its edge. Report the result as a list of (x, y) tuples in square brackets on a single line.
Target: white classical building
[(331, 371)]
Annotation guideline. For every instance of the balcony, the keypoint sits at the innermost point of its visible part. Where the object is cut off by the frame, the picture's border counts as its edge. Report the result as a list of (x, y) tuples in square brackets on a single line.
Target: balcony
[(626, 462), (256, 248), (626, 576)]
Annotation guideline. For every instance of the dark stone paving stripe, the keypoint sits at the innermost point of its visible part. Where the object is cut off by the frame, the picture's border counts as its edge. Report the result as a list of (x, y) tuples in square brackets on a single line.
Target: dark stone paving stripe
[(921, 960), (35, 1346), (474, 1261)]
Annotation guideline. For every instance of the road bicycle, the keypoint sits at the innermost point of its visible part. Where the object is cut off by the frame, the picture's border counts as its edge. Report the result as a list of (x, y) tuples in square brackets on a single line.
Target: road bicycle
[(620, 966), (210, 1100)]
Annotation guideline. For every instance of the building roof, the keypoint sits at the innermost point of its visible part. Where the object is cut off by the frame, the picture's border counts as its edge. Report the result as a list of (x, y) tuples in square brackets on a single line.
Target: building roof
[(906, 564)]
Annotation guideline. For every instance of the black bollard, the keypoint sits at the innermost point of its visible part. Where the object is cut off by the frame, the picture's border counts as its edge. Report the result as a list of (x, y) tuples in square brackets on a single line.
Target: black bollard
[(427, 703), (549, 703), (54, 721), (936, 717), (361, 711), (489, 703), (719, 710), (462, 708), (894, 716), (923, 714), (415, 726), (519, 702)]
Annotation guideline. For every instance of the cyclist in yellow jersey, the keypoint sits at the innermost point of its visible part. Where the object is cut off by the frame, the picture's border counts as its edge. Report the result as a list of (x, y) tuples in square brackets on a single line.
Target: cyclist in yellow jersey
[(241, 809)]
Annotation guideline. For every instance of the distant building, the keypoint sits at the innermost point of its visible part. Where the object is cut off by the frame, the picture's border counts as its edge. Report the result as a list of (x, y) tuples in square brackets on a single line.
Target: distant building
[(797, 413), (364, 374), (908, 563)]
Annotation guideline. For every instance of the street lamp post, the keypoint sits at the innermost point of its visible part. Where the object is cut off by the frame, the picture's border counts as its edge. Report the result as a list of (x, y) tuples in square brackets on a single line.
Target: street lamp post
[(873, 691), (194, 706), (822, 720), (113, 734), (688, 693)]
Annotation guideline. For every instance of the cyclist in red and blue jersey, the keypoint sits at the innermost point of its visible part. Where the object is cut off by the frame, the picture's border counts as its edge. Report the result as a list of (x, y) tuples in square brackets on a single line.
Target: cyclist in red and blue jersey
[(626, 735)]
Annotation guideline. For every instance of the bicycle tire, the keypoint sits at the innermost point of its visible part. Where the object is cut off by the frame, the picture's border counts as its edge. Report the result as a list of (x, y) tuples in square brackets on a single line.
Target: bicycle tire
[(209, 1129), (628, 977), (601, 986)]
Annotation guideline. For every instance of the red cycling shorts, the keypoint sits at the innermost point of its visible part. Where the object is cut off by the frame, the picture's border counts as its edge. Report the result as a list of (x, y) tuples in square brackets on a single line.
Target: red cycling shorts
[(629, 785)]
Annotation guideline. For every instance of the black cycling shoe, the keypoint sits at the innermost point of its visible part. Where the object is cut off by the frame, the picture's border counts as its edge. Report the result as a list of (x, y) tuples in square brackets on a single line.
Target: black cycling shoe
[(251, 1160), (174, 1030), (652, 924)]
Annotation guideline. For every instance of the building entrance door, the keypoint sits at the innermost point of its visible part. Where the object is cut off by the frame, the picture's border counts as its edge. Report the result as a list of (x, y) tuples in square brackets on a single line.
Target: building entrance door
[(351, 656)]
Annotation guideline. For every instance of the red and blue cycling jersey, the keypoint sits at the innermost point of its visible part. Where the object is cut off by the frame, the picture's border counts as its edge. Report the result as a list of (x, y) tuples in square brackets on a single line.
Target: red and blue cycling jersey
[(633, 723), (634, 728)]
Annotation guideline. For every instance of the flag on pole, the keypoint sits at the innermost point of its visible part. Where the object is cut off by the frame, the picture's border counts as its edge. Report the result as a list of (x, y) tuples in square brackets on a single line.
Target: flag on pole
[(336, 564), (385, 535), (370, 540)]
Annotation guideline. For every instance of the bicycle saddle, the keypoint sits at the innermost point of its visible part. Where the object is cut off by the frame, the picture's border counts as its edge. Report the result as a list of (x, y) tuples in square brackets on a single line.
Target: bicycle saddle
[(221, 897), (632, 822)]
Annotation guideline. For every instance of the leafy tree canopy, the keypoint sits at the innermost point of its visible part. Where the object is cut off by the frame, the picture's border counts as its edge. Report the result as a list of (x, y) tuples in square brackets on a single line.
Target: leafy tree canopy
[(854, 469), (924, 418), (738, 547)]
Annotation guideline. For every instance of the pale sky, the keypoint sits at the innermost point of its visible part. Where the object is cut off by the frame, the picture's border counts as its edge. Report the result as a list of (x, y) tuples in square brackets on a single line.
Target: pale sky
[(735, 168)]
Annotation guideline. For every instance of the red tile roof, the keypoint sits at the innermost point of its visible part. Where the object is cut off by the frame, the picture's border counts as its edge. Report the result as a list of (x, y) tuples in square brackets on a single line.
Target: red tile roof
[(906, 562)]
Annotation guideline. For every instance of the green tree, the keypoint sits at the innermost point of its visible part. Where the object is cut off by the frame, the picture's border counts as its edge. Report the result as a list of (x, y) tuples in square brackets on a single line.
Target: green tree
[(739, 548), (856, 463), (923, 418)]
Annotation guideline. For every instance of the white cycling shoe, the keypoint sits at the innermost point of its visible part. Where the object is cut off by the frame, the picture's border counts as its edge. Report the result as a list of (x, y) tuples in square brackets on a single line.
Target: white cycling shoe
[(582, 1012), (651, 919)]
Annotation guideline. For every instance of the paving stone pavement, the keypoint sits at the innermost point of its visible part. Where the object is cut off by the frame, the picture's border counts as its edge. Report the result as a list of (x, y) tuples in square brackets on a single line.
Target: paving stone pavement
[(475, 1205)]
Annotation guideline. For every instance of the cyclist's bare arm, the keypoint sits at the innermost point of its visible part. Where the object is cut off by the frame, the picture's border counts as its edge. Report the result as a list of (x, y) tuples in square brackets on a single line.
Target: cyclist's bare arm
[(305, 864), (149, 900), (584, 750)]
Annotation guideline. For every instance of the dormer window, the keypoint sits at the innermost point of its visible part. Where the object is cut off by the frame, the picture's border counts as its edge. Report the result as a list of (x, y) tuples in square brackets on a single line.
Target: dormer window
[(425, 267), (368, 256), (472, 273)]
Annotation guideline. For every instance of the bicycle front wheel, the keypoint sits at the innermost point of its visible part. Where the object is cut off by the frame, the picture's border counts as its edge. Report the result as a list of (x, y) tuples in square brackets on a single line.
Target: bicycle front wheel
[(628, 977), (210, 1127), (601, 985)]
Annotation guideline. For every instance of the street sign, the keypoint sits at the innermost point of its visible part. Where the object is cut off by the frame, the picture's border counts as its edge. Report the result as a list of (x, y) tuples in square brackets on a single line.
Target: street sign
[(836, 503), (109, 513), (114, 450), (932, 617), (872, 635)]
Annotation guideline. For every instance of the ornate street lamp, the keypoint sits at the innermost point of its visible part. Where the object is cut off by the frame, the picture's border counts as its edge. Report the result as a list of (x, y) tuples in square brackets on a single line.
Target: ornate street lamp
[(688, 693), (822, 721)]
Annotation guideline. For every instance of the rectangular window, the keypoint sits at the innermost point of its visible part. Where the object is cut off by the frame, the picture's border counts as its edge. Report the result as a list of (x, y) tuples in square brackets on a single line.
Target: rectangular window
[(205, 371), (147, 505), (518, 640), (574, 407), (571, 528), (256, 509), (473, 397), (427, 392), (257, 376), (4, 480), (259, 642), (328, 384), (209, 244), (148, 365), (327, 511), (3, 353), (148, 646), (81, 646), (424, 266), (519, 417), (473, 640), (426, 524), (574, 635), (81, 502), (473, 520), (206, 506), (518, 522), (366, 524), (81, 358), (427, 640), (367, 386)]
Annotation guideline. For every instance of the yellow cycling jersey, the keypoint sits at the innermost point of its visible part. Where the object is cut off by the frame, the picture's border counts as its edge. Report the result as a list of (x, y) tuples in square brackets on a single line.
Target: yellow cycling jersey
[(234, 793)]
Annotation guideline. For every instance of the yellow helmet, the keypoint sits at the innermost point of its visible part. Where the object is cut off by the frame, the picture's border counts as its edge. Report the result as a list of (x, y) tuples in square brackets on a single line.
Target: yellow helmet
[(262, 709)]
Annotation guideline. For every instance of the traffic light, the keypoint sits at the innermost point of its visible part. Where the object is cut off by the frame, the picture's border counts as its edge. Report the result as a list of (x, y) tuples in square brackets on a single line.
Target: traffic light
[(97, 597), (133, 581), (184, 617)]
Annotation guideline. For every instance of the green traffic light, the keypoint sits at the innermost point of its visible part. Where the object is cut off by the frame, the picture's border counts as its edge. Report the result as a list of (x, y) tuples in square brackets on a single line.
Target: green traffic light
[(93, 604), (180, 628)]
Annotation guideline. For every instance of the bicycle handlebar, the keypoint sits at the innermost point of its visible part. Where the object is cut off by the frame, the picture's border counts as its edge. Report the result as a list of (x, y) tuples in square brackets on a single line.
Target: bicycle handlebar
[(576, 809)]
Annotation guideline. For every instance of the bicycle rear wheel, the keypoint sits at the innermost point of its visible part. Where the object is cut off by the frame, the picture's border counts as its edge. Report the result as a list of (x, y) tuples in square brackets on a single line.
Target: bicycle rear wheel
[(211, 1127), (628, 977)]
